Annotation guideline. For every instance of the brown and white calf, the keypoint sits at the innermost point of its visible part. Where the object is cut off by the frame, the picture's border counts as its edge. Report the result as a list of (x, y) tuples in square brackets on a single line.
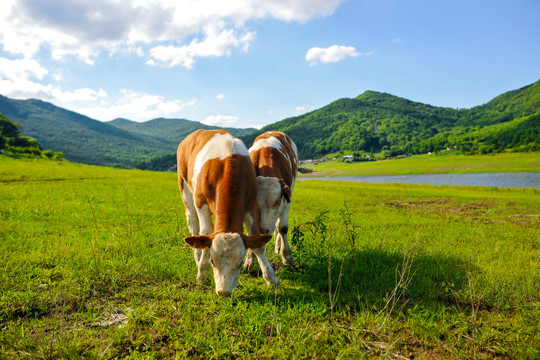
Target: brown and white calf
[(275, 158), (216, 177)]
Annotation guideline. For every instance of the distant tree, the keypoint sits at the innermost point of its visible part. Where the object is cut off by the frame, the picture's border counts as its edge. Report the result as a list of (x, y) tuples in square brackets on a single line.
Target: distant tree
[(8, 129), (11, 141)]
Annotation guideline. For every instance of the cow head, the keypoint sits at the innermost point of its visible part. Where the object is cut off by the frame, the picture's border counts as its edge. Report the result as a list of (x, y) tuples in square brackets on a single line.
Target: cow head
[(227, 253), (271, 197)]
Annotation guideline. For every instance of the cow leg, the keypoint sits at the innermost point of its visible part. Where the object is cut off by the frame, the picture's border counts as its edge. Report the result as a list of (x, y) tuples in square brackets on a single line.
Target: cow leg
[(277, 240), (206, 228), (191, 217), (250, 256), (191, 210), (282, 228), (268, 273)]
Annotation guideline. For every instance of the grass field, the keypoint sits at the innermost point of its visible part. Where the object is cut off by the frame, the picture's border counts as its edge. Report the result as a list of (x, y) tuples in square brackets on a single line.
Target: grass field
[(447, 162), (93, 265)]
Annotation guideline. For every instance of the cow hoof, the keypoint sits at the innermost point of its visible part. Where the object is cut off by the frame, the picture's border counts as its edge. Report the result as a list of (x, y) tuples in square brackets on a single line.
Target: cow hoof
[(288, 262), (202, 279), (271, 281), (248, 264)]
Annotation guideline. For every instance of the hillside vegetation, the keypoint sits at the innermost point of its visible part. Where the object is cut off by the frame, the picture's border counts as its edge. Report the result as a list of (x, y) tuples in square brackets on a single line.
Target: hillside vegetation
[(12, 143), (80, 138), (370, 123), (375, 122), (173, 130), (94, 265), (120, 143)]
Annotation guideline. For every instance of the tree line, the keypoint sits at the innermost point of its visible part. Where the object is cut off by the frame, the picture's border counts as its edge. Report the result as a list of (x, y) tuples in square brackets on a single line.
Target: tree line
[(14, 144)]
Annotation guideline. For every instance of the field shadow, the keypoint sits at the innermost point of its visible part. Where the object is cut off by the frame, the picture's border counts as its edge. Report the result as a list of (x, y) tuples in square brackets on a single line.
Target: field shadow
[(369, 277)]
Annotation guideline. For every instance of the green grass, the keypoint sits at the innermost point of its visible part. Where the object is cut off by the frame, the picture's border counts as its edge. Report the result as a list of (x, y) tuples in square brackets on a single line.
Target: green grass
[(93, 265), (447, 162)]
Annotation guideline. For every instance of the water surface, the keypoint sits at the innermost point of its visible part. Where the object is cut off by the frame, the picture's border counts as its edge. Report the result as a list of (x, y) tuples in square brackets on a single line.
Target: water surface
[(515, 180)]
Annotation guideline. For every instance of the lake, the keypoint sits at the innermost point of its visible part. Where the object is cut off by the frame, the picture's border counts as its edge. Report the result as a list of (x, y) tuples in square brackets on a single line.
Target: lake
[(515, 180)]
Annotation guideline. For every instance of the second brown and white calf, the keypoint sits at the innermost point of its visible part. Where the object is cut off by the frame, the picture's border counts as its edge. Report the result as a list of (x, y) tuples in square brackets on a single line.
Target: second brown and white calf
[(275, 158), (216, 177)]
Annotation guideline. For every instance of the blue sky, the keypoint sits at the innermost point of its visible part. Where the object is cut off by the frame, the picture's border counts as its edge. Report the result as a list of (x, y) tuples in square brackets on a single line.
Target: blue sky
[(254, 62)]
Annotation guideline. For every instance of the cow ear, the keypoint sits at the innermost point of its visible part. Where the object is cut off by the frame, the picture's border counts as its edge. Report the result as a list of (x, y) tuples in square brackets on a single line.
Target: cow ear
[(199, 241), (285, 191), (255, 241)]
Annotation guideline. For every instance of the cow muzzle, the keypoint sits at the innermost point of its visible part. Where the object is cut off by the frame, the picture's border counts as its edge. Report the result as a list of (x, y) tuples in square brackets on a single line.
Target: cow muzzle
[(264, 231), (224, 293)]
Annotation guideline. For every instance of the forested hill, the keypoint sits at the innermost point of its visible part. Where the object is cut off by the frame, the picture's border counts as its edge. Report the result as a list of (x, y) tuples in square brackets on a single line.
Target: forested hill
[(120, 143), (12, 143), (79, 137), (170, 129), (371, 122), (374, 122)]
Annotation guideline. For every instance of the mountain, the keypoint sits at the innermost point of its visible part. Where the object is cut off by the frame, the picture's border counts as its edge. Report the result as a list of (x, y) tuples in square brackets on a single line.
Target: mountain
[(172, 130), (79, 137), (120, 143), (371, 122), (508, 106), (12, 143), (509, 122), (374, 122)]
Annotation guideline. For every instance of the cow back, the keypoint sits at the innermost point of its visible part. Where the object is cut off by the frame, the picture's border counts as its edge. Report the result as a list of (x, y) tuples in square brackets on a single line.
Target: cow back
[(274, 154), (218, 171)]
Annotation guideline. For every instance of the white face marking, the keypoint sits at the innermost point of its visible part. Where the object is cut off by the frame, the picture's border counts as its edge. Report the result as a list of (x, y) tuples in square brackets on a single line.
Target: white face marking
[(219, 146), (227, 255), (268, 196)]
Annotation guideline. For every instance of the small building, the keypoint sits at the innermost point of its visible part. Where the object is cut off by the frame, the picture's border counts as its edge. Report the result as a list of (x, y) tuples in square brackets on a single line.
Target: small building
[(350, 157)]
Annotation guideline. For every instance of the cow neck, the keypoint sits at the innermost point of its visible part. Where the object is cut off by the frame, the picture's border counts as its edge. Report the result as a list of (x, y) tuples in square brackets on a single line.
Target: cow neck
[(230, 199), (273, 164)]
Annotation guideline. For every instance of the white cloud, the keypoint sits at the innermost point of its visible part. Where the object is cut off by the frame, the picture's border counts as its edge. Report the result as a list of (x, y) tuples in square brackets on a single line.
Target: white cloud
[(220, 97), (58, 76), (220, 120), (397, 41), (84, 28), (135, 106), (163, 32), (217, 42), (304, 109), (21, 69), (18, 80), (333, 53), (85, 94)]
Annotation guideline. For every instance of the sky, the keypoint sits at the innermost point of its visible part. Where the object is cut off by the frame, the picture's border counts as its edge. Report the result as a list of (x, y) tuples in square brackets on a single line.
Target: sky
[(250, 63)]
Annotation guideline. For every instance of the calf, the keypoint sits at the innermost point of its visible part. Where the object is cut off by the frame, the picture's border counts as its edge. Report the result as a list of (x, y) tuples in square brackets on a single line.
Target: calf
[(275, 157), (216, 176)]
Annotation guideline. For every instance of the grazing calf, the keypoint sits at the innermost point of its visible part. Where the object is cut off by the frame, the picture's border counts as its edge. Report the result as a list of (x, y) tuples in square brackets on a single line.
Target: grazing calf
[(216, 177), (275, 157)]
